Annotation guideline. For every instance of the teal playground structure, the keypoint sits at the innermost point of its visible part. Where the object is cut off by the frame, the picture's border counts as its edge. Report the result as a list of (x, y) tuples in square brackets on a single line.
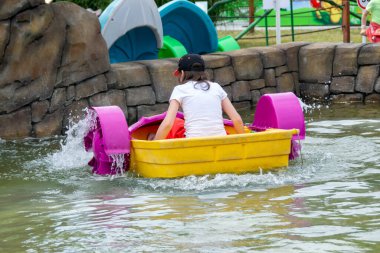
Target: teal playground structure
[(132, 30), (189, 25), (138, 30)]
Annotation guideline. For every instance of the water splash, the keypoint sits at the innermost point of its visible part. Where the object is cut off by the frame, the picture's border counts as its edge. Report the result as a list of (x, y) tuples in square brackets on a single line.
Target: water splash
[(72, 153), (90, 120), (309, 108), (118, 164)]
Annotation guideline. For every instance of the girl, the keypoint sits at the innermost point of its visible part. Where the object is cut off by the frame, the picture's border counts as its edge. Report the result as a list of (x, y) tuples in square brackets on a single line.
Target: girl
[(202, 102), (373, 31)]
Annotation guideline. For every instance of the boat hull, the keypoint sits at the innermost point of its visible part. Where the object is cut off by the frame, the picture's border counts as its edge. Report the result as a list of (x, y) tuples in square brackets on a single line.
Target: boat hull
[(236, 153)]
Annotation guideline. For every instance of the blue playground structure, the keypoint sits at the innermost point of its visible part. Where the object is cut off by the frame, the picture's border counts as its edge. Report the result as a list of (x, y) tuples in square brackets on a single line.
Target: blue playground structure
[(138, 30), (190, 25), (132, 30)]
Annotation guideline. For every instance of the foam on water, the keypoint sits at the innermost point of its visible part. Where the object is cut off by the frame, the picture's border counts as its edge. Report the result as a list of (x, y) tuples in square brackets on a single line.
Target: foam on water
[(319, 155), (226, 181)]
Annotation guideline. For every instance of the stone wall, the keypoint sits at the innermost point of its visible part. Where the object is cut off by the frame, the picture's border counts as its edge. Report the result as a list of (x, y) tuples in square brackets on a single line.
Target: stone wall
[(52, 58), (334, 72), (54, 63)]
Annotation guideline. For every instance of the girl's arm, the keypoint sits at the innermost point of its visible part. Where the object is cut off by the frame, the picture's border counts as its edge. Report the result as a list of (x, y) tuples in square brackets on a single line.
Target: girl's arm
[(364, 22), (230, 110), (168, 121)]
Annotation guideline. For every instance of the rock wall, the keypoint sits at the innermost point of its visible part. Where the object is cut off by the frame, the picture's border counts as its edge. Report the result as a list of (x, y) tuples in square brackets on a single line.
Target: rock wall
[(54, 63), (51, 56)]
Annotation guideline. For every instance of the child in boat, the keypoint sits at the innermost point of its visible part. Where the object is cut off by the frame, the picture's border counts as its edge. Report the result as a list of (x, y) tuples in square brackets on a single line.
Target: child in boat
[(373, 31), (202, 102)]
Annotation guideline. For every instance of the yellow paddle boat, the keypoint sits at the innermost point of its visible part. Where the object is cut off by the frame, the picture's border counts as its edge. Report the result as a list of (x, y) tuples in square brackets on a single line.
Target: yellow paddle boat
[(268, 144)]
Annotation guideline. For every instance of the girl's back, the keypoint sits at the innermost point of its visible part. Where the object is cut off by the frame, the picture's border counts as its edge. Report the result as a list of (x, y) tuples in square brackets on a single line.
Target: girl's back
[(202, 107), (202, 101)]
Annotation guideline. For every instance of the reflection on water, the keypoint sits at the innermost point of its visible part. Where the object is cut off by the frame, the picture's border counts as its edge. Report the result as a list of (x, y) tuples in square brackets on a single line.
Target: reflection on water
[(328, 201)]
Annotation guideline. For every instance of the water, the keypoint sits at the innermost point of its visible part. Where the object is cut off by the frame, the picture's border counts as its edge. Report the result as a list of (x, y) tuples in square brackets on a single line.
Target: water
[(328, 201)]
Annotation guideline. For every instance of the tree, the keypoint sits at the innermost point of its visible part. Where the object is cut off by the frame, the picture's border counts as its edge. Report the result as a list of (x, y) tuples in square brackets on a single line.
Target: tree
[(102, 4), (93, 4)]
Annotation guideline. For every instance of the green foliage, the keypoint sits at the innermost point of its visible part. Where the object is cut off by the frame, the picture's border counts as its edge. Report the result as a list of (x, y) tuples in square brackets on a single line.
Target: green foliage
[(161, 2), (102, 4), (93, 4)]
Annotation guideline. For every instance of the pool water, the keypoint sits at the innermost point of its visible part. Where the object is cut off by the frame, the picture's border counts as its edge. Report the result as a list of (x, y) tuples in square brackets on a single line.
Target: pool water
[(326, 201)]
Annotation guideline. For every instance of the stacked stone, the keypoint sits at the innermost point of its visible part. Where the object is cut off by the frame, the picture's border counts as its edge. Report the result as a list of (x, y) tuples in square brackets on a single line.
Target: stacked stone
[(340, 72)]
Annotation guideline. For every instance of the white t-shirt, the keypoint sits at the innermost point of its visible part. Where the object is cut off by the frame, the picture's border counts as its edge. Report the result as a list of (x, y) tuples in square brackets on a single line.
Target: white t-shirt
[(202, 108)]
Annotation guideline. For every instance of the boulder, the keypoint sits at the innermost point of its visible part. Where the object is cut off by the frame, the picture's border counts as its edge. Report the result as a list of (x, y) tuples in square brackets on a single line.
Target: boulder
[(150, 110), (58, 99), (346, 59), (50, 125), (90, 87), (140, 96), (246, 63), (369, 54), (16, 125), (257, 84), (285, 83), (241, 91), (35, 34), (342, 84), (161, 72), (9, 8), (4, 37), (366, 78), (111, 97), (255, 95), (85, 52), (213, 61), (291, 51), (209, 74), (296, 84), (74, 112), (281, 70), (272, 56), (377, 85), (268, 90), (111, 78), (130, 74), (270, 78), (228, 90), (70, 94), (39, 109), (315, 63), (224, 76), (314, 91)]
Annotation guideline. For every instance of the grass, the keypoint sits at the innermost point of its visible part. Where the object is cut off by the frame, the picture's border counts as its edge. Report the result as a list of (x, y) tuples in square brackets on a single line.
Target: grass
[(257, 38)]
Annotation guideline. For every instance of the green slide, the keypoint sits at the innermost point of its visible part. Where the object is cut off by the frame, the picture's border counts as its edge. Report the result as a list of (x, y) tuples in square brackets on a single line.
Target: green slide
[(171, 48), (227, 43)]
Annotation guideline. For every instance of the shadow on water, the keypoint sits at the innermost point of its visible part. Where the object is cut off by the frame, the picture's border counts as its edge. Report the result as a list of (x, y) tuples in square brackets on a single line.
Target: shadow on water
[(328, 201)]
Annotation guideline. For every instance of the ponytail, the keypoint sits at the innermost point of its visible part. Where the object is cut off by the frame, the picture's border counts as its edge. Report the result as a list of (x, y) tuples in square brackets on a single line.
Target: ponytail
[(200, 77)]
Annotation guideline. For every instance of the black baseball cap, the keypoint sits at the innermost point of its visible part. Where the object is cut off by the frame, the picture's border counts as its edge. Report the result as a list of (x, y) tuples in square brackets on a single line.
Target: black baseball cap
[(188, 63)]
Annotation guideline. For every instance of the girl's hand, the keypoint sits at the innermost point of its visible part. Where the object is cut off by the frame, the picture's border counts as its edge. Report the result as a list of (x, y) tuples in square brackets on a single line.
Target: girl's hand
[(363, 32), (168, 121)]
